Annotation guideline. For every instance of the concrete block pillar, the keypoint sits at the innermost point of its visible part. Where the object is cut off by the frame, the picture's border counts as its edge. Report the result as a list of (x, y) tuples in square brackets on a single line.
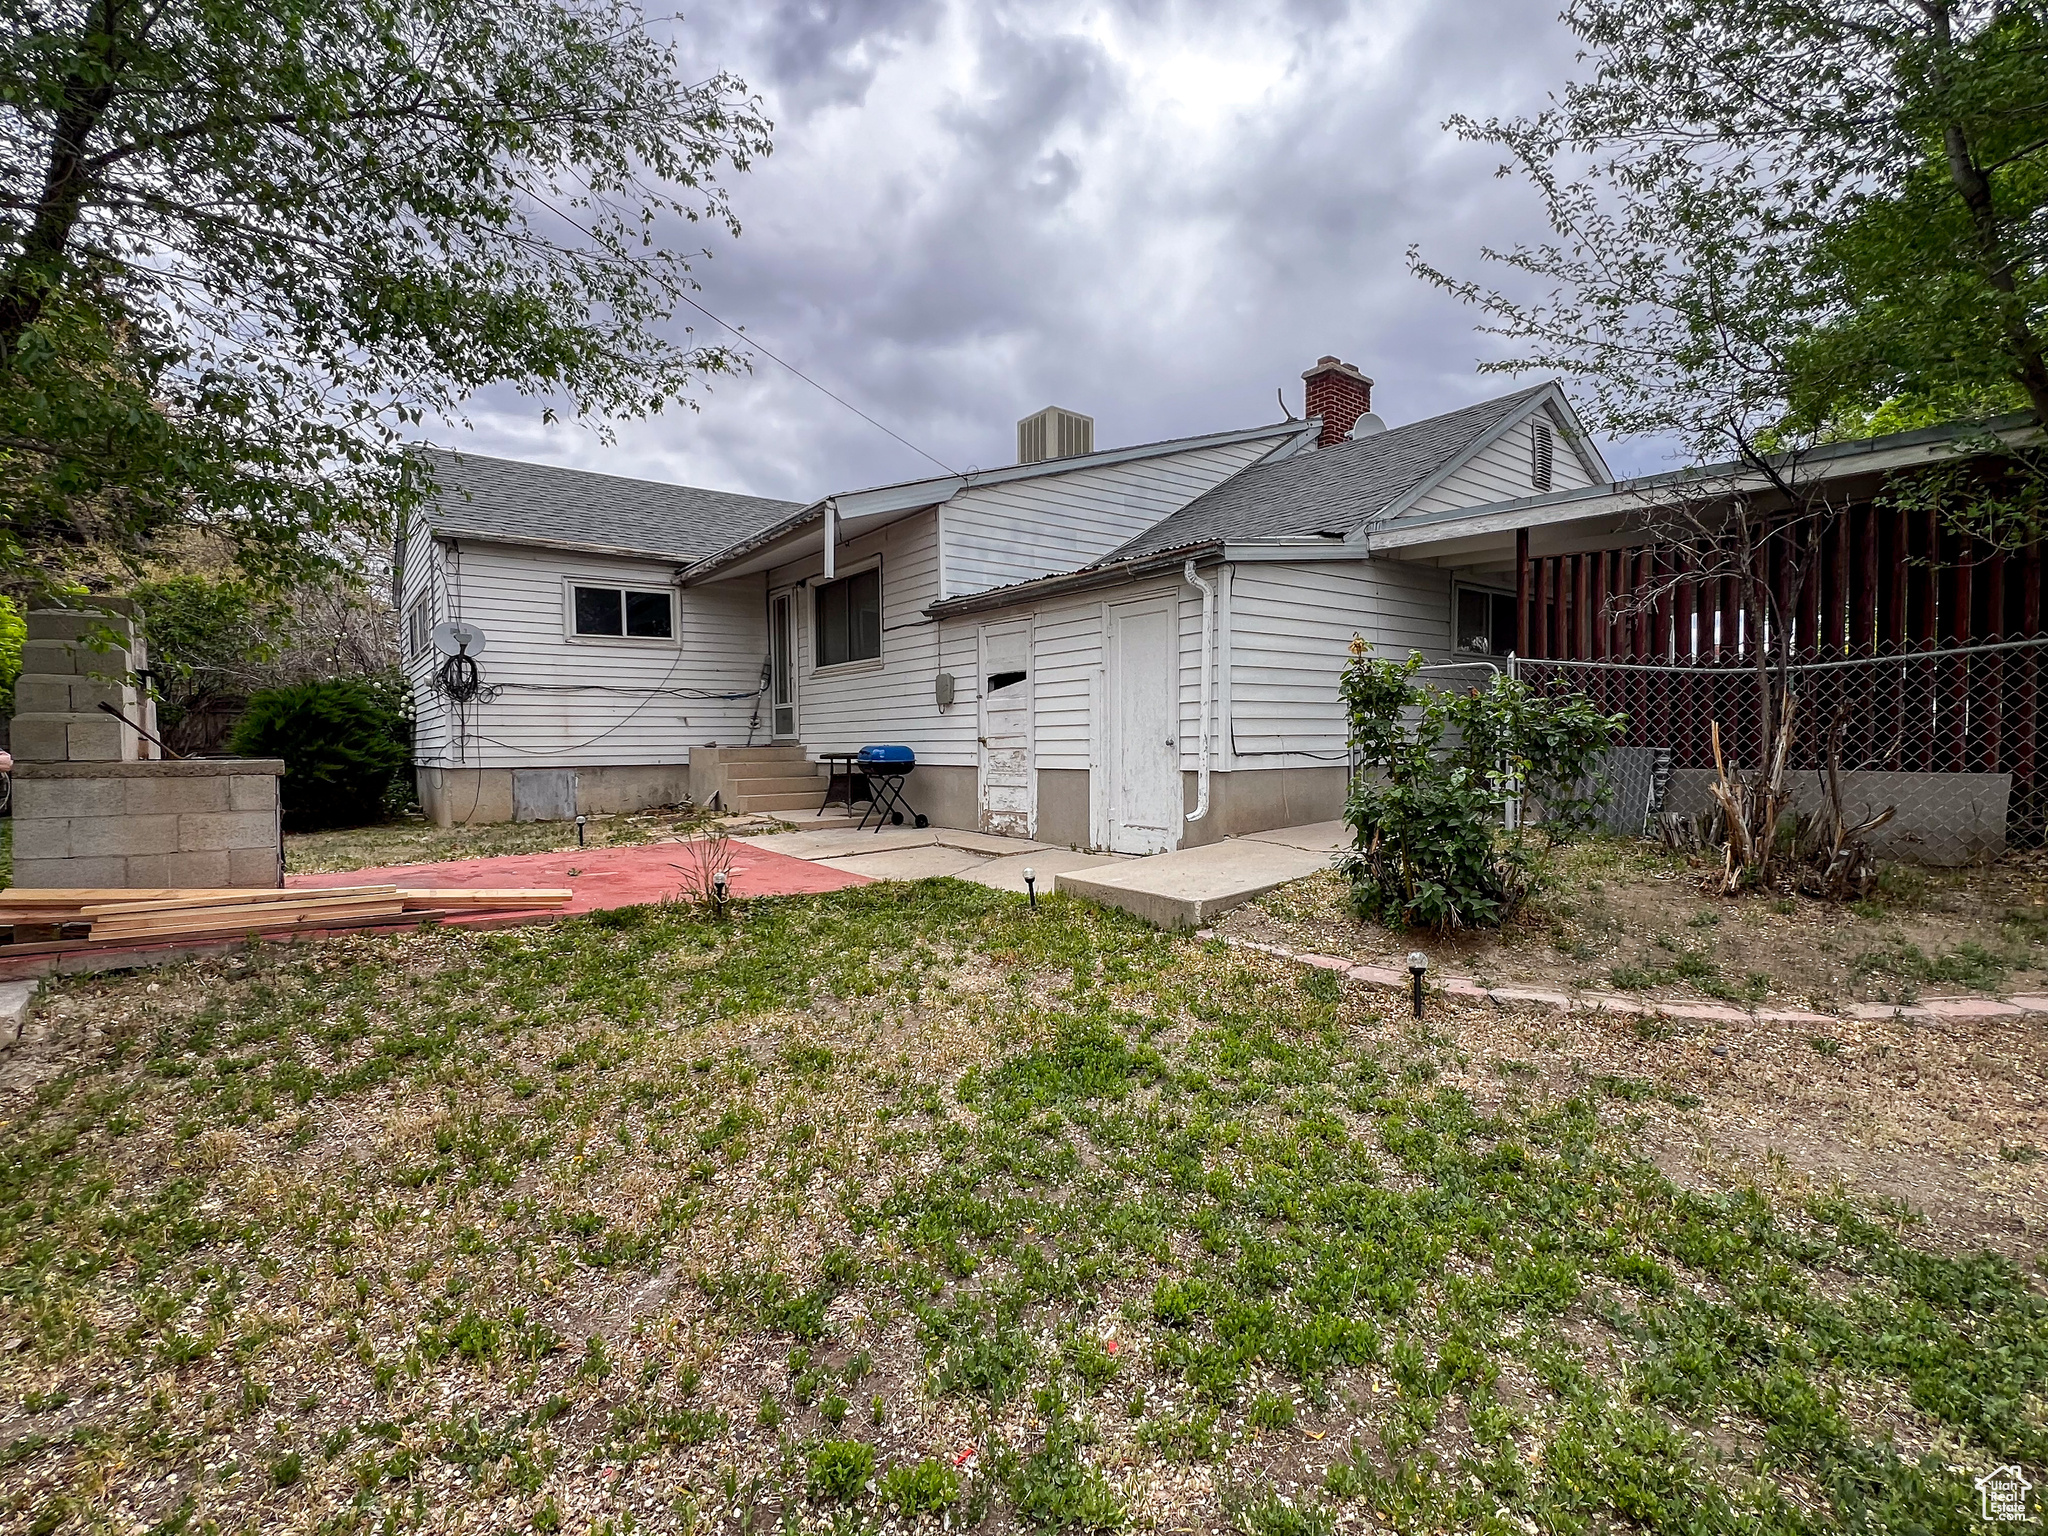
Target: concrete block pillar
[(75, 660)]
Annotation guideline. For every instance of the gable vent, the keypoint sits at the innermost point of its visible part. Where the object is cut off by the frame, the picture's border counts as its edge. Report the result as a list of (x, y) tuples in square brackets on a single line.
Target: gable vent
[(1054, 433), (1539, 455)]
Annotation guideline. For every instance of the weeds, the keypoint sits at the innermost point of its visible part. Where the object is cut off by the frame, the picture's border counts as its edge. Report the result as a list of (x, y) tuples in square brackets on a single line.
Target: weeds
[(392, 1180)]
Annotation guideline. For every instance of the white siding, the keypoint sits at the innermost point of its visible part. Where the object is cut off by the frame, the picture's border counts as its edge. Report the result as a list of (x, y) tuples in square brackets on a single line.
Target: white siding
[(1502, 470), (1291, 634), (568, 702), (997, 535), (846, 708), (422, 581)]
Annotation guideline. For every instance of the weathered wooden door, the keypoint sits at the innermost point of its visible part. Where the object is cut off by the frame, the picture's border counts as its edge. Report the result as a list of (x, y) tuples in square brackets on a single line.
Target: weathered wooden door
[(1143, 750), (1007, 777)]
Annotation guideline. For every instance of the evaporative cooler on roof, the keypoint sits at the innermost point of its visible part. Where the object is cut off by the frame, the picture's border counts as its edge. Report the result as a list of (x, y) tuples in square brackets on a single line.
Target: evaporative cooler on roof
[(1054, 433)]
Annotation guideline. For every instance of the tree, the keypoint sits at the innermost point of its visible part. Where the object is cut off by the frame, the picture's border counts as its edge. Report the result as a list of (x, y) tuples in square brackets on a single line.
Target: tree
[(247, 245), (1725, 190), (216, 639)]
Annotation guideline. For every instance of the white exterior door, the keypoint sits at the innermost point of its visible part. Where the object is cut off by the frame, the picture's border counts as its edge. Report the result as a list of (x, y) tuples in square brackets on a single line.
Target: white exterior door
[(782, 666), (1143, 747), (1007, 778)]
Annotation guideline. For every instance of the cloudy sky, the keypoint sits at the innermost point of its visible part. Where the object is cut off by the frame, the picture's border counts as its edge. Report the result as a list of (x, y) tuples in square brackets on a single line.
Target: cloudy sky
[(1157, 212)]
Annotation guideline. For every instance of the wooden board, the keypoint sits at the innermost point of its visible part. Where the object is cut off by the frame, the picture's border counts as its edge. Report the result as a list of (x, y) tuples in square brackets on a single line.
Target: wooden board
[(159, 915), (339, 924), (252, 918), (251, 897)]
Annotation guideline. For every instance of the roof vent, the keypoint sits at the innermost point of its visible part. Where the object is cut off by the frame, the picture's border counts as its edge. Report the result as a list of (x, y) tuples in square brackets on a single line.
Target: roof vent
[(1054, 433), (1368, 425)]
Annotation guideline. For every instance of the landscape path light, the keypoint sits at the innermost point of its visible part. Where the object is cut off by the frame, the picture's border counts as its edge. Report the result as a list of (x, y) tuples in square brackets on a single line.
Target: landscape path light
[(1418, 964), (579, 831), (719, 882), (1031, 883)]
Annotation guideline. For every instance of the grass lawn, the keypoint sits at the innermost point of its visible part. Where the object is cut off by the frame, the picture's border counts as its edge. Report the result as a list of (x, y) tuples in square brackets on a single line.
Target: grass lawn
[(910, 1205), (415, 840), (1623, 915)]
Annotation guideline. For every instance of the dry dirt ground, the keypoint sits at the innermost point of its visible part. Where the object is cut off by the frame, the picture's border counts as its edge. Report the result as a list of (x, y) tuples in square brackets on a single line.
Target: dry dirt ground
[(1623, 916), (912, 1206), (415, 840)]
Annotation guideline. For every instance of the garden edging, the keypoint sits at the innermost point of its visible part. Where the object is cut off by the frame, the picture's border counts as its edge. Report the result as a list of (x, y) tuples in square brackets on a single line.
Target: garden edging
[(1700, 1011)]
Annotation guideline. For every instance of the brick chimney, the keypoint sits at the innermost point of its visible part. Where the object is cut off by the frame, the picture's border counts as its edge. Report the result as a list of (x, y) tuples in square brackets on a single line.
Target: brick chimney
[(1338, 393)]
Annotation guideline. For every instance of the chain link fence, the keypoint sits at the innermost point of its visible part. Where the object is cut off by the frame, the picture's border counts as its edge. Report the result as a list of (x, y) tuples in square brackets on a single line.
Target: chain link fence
[(1951, 739)]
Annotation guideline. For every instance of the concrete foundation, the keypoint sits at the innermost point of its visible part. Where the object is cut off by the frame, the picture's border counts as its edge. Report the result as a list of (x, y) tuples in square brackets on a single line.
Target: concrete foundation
[(1063, 818), (460, 797), (1248, 800), (1260, 800), (1944, 819)]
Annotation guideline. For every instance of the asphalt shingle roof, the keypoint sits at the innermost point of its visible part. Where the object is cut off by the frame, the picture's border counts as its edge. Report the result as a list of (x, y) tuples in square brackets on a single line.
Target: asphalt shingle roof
[(1332, 489), (506, 499)]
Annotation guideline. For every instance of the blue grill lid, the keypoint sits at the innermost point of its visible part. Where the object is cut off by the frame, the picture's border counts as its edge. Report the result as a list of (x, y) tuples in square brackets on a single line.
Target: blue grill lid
[(887, 755)]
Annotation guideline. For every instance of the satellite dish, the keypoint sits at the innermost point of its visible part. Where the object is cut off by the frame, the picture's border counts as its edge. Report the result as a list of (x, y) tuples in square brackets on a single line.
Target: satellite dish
[(455, 638), (1368, 425)]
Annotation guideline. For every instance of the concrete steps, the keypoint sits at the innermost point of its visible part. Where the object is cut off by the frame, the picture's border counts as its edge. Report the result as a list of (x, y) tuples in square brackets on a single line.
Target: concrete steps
[(777, 777)]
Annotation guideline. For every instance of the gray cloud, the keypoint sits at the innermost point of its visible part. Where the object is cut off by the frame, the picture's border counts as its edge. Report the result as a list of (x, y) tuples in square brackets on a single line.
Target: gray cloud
[(1157, 212)]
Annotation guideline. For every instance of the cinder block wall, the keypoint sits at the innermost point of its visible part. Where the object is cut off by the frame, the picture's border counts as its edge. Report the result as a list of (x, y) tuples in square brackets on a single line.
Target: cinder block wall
[(205, 822)]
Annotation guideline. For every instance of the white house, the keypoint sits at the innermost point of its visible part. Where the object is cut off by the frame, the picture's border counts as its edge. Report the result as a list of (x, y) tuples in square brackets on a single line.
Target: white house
[(1134, 648)]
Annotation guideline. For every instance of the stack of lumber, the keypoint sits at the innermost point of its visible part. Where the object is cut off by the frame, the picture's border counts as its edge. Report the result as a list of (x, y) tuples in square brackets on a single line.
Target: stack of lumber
[(152, 916)]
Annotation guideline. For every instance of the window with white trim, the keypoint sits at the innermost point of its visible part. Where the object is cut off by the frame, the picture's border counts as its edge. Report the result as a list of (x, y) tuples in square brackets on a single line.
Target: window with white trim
[(1486, 621), (846, 619), (419, 625), (632, 613)]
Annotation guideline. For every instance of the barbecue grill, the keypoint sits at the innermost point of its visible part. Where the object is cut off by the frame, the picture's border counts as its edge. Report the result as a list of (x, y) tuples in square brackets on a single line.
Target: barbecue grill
[(885, 769)]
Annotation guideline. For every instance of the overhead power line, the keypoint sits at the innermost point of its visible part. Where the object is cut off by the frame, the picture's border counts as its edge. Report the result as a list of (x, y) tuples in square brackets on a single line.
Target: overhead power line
[(821, 389)]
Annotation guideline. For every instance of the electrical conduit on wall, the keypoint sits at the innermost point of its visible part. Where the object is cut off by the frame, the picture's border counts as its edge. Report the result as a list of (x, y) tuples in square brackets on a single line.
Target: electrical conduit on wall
[(1208, 640)]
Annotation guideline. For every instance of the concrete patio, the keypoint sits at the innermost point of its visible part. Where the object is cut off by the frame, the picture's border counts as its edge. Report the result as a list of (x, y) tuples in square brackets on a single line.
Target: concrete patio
[(904, 853), (1172, 890), (1195, 885)]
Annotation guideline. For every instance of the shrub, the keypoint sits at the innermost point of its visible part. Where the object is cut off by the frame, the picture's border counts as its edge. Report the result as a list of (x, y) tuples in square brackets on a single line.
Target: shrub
[(343, 742), (1440, 768)]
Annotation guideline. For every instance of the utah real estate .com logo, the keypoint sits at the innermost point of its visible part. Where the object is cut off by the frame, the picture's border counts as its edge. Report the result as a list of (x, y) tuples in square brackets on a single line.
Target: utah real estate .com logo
[(2002, 1494)]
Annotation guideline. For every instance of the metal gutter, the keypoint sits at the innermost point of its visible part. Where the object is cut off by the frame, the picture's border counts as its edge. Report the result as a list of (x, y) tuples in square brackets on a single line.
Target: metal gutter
[(1864, 456), (1089, 578), (572, 546)]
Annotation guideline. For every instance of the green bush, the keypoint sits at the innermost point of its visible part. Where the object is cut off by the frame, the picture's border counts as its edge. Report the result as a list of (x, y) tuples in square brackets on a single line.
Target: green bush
[(343, 742), (1440, 768)]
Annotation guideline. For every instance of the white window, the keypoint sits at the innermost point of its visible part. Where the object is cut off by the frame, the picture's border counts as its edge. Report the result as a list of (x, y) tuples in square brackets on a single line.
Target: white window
[(632, 613), (419, 626), (846, 618)]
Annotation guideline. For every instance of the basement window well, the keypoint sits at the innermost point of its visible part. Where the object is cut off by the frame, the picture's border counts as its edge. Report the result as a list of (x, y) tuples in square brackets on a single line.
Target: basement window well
[(629, 612)]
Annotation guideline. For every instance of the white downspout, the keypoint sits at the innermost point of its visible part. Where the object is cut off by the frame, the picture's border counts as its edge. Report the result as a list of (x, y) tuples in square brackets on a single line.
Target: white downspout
[(831, 535), (1208, 642)]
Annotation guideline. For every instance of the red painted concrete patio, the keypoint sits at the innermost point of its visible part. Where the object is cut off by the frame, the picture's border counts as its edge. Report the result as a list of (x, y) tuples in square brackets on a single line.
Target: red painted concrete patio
[(600, 877)]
